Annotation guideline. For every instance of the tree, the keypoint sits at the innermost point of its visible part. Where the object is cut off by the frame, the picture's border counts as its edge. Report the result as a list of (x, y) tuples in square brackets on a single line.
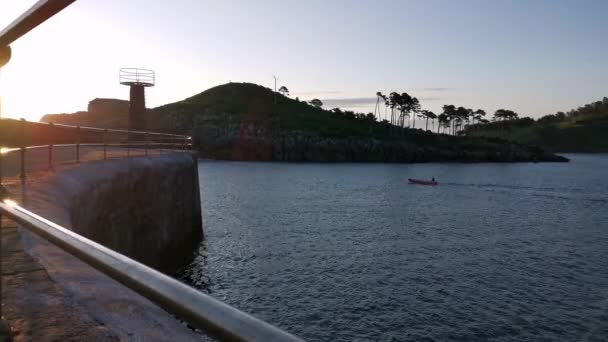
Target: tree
[(316, 103), (349, 114), (462, 115), (405, 108), (505, 114), (428, 115), (384, 100), (379, 97), (414, 107), (450, 114), (443, 120), (470, 115), (433, 118), (283, 90), (479, 114), (394, 100)]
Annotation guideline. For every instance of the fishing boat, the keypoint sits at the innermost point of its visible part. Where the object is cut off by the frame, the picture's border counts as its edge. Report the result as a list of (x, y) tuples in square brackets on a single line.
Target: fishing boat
[(422, 181)]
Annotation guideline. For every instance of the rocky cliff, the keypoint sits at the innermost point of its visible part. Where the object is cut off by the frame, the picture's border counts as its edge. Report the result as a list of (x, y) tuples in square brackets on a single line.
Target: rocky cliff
[(253, 141)]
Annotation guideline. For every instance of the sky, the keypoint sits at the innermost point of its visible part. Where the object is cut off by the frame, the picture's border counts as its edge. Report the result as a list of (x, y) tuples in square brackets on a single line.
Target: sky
[(536, 57)]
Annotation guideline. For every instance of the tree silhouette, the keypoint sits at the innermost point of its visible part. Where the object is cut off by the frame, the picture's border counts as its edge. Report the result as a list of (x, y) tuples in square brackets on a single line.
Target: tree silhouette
[(405, 104), (393, 101), (505, 114), (479, 114), (283, 90), (443, 120), (414, 108), (316, 103), (428, 115), (379, 96), (450, 114), (462, 115)]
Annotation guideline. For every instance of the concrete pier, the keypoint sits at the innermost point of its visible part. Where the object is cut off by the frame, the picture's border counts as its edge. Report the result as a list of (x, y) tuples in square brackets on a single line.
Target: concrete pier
[(50, 295)]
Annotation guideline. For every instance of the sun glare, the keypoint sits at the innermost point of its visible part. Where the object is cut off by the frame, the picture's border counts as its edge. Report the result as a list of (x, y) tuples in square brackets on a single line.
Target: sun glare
[(10, 203)]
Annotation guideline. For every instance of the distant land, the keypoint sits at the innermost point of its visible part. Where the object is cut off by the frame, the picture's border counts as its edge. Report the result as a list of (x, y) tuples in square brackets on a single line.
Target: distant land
[(244, 121), (584, 129)]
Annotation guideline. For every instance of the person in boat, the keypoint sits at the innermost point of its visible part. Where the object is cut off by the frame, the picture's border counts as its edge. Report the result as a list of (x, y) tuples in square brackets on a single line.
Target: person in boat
[(433, 179)]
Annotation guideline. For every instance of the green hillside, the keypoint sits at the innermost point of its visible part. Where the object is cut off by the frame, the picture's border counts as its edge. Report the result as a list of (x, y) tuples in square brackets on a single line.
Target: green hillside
[(245, 121), (584, 129), (249, 102)]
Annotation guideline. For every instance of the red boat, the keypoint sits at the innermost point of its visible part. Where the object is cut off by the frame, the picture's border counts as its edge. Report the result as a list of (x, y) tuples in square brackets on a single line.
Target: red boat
[(422, 182)]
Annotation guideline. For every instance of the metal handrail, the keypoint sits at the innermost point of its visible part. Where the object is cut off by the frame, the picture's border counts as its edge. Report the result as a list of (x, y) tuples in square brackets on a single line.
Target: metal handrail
[(128, 139), (205, 312), (109, 130), (36, 15), (140, 76)]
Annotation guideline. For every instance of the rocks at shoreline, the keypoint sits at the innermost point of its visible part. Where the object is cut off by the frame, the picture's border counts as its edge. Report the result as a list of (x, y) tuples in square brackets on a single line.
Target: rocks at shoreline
[(256, 143)]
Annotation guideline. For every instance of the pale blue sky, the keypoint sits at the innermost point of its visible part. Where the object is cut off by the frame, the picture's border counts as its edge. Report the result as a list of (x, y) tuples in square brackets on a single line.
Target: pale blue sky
[(535, 57)]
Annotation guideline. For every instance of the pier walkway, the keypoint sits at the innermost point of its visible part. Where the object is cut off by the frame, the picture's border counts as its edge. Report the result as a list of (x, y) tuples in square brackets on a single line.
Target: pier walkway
[(34, 307)]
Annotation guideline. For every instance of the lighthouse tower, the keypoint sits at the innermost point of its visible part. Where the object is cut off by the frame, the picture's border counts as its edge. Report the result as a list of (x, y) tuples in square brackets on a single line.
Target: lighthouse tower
[(137, 79)]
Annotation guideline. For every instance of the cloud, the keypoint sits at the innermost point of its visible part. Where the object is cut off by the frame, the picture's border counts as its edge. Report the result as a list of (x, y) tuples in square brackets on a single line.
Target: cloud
[(356, 102), (316, 93), (349, 102), (431, 89)]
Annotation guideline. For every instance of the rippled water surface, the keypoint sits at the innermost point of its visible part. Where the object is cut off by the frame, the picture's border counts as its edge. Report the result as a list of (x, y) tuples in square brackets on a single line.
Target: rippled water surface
[(351, 252)]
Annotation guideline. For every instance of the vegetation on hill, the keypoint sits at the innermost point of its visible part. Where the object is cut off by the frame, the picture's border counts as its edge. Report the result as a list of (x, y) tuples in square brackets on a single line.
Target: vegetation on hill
[(248, 121), (248, 102), (584, 129)]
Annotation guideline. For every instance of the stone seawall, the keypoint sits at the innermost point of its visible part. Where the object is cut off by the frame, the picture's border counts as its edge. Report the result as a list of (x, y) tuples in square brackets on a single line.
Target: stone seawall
[(147, 208)]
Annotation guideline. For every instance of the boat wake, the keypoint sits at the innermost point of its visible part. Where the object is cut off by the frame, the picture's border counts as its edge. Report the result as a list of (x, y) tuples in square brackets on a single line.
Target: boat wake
[(574, 194)]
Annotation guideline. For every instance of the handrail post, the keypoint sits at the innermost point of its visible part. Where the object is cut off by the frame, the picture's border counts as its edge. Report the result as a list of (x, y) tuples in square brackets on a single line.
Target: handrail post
[(78, 144), (1, 167), (146, 142), (22, 175), (51, 135), (105, 133)]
